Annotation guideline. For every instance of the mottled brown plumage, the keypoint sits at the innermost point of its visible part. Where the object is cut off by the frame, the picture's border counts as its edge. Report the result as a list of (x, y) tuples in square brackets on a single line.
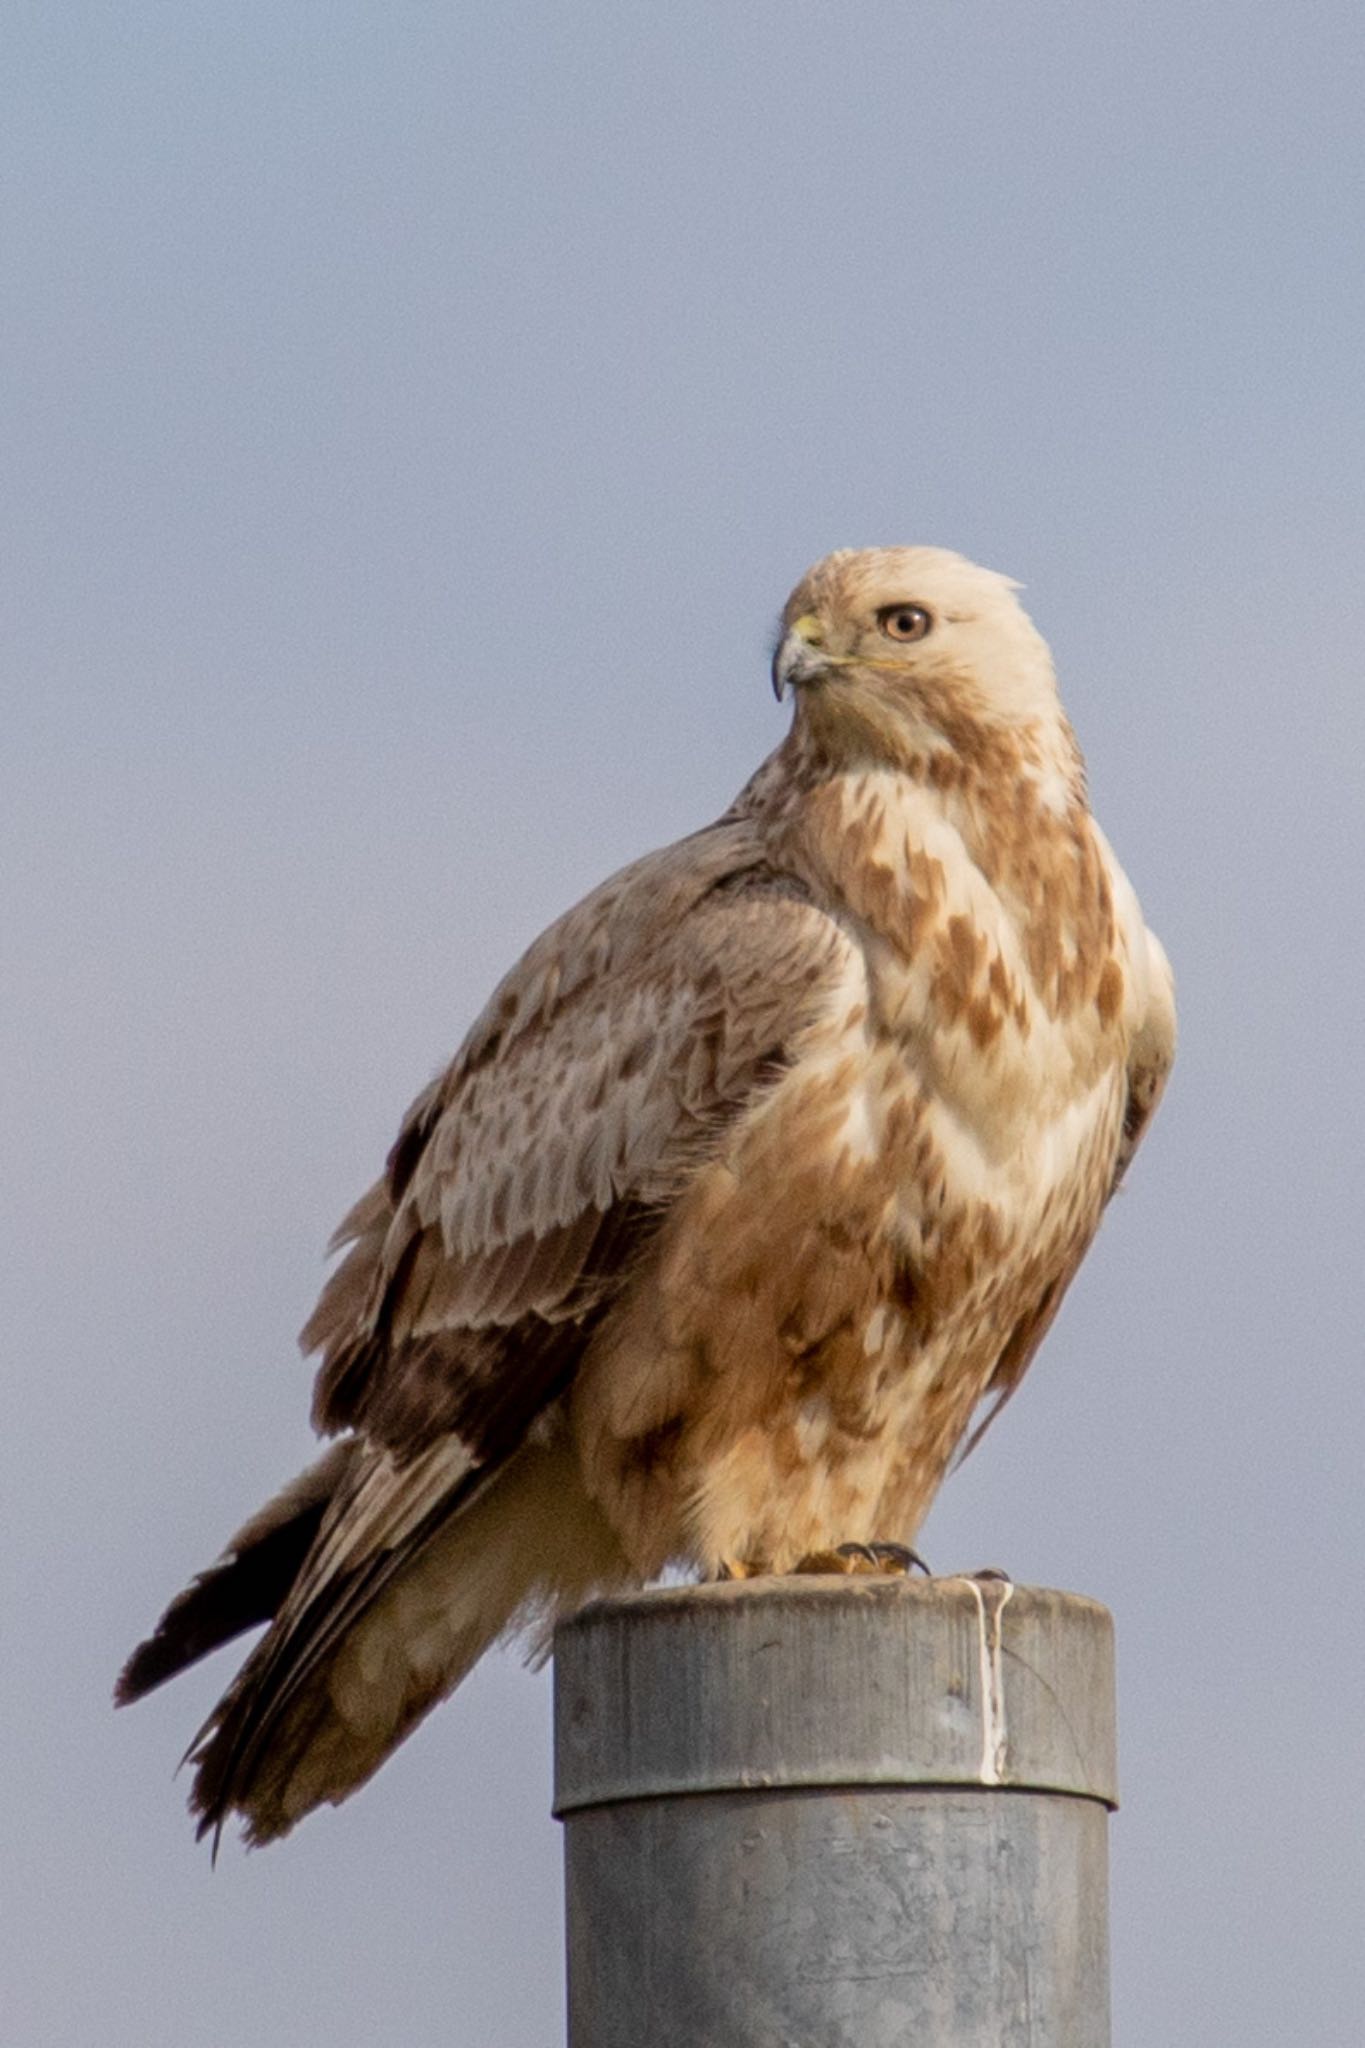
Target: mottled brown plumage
[(767, 1164)]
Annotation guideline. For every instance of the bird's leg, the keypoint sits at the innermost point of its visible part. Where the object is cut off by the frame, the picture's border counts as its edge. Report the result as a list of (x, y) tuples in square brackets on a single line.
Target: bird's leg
[(884, 1559)]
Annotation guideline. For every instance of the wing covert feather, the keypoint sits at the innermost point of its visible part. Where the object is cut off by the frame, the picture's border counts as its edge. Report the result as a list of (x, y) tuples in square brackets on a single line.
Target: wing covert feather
[(604, 1070)]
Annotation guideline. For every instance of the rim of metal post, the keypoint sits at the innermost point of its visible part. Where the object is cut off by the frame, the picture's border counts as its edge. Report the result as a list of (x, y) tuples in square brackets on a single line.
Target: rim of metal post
[(769, 1683)]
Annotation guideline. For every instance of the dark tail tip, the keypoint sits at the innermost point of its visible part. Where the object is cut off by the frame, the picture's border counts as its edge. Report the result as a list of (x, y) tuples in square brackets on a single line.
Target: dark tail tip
[(243, 1590)]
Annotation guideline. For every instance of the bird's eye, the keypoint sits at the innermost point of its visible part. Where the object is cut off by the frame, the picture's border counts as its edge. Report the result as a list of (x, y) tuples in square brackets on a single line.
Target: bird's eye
[(904, 621)]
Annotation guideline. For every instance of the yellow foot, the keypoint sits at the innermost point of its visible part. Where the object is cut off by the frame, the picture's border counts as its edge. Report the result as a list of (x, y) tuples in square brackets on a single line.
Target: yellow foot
[(846, 1560), (740, 1568)]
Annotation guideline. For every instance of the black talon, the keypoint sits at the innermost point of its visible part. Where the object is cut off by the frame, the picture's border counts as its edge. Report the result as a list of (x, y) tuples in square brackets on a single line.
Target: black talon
[(881, 1555), (993, 1574), (900, 1554)]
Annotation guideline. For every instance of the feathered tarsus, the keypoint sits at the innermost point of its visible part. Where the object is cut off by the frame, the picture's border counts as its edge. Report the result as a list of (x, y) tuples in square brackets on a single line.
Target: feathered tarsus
[(768, 1162)]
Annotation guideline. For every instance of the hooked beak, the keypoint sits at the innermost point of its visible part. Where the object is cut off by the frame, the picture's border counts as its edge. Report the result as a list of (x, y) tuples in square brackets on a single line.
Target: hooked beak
[(800, 656)]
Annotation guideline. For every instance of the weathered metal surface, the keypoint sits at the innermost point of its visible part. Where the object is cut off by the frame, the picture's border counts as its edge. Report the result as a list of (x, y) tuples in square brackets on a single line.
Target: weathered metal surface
[(837, 1814), (839, 1919), (834, 1682)]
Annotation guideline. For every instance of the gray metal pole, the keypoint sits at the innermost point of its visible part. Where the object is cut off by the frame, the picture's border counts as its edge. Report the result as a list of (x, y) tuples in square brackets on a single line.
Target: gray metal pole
[(837, 1813)]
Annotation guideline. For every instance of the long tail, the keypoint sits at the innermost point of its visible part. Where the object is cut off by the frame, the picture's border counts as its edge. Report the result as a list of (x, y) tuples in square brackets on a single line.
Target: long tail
[(410, 1573)]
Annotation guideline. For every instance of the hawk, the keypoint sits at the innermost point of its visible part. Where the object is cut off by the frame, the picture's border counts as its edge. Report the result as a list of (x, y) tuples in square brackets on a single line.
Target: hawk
[(767, 1164)]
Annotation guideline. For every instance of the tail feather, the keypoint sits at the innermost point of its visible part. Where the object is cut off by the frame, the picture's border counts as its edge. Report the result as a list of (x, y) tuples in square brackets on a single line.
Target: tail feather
[(415, 1572), (246, 1586), (378, 1525)]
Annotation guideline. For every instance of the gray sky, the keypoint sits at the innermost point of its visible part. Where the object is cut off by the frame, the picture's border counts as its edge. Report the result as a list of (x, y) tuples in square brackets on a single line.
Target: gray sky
[(416, 417)]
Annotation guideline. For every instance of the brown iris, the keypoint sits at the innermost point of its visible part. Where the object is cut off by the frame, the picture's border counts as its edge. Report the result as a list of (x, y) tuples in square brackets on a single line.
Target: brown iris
[(904, 621)]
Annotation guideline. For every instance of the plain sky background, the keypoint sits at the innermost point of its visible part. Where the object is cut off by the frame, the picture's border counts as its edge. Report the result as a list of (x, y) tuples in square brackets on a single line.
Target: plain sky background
[(415, 417)]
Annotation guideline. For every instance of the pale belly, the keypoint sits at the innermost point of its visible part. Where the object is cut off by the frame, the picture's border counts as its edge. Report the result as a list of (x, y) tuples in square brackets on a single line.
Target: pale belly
[(827, 1308)]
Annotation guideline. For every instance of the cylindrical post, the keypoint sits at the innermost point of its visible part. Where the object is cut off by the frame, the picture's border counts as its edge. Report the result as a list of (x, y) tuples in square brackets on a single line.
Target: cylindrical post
[(852, 1813)]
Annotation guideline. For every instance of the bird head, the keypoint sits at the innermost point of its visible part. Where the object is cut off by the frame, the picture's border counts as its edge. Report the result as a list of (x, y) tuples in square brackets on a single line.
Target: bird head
[(895, 652)]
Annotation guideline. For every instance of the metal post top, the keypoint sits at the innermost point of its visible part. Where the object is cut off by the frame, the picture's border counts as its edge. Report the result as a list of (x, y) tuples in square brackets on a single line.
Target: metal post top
[(860, 1681)]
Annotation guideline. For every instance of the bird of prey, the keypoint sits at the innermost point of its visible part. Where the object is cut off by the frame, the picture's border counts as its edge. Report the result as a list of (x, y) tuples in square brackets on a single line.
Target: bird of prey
[(763, 1169)]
